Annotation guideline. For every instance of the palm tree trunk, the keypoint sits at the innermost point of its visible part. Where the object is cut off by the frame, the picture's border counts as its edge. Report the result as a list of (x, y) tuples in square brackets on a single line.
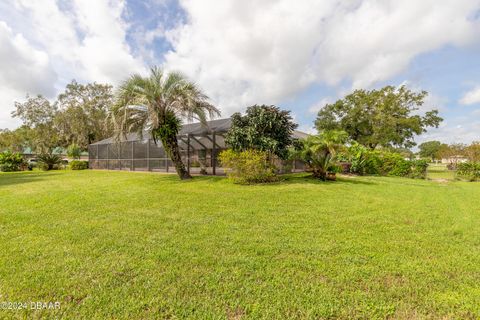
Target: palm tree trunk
[(171, 147), (319, 173)]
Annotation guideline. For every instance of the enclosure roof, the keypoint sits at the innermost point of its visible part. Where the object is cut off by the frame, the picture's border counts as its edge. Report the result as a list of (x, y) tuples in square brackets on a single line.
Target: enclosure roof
[(194, 129)]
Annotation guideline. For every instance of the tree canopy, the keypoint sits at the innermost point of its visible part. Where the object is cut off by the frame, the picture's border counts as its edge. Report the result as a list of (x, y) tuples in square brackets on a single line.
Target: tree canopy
[(77, 116), (264, 128), (82, 110), (388, 117), (473, 151), (16, 140), (453, 151), (430, 149), (38, 114)]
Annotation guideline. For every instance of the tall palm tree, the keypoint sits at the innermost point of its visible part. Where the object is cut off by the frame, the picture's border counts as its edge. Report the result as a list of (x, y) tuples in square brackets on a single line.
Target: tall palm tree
[(157, 104)]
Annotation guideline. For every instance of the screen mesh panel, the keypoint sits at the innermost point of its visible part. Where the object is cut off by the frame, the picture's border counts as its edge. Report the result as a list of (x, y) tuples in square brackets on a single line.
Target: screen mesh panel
[(102, 151), (126, 150), (156, 150)]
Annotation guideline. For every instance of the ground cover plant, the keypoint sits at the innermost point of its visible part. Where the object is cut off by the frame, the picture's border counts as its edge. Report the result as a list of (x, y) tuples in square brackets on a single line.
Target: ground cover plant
[(121, 245)]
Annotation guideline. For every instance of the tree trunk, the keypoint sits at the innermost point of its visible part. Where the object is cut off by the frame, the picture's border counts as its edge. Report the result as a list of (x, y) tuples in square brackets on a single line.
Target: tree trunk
[(320, 174), (171, 147)]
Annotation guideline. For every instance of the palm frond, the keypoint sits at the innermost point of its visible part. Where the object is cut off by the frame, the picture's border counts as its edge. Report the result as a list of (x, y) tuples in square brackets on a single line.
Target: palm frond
[(145, 103)]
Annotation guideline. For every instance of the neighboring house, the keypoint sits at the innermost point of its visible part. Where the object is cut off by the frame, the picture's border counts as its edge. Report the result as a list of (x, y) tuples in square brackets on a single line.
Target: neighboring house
[(454, 159), (199, 147)]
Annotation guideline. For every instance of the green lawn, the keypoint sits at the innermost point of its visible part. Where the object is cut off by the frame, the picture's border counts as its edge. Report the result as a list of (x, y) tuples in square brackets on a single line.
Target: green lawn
[(120, 245), (440, 172)]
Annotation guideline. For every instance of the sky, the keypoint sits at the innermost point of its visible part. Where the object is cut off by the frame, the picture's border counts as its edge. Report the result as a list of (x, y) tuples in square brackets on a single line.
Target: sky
[(296, 54)]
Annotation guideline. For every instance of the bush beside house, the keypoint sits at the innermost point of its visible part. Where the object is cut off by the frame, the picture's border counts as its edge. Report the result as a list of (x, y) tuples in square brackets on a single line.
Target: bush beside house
[(248, 166)]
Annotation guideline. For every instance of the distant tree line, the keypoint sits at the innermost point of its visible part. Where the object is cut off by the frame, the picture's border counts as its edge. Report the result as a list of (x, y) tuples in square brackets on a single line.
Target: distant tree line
[(77, 116), (436, 150), (386, 119)]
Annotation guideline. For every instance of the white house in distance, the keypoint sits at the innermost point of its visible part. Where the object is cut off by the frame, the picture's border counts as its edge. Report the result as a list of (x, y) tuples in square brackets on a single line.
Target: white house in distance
[(454, 159)]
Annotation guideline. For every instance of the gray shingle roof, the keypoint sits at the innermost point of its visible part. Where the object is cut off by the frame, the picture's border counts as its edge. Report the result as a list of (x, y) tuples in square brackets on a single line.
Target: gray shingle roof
[(195, 129)]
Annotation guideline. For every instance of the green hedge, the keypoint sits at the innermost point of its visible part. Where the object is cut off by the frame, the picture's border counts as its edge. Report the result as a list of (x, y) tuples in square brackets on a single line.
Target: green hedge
[(78, 165), (381, 162), (469, 171)]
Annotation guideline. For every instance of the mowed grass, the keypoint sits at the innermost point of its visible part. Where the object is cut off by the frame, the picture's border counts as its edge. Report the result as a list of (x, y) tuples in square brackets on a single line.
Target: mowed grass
[(440, 172), (120, 245)]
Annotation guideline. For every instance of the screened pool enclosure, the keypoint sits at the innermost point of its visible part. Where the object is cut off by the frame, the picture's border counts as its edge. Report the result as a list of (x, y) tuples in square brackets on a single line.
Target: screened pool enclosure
[(199, 146)]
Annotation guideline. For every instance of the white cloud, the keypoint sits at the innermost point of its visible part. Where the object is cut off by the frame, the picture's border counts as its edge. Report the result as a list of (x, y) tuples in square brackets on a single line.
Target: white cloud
[(266, 51), (22, 65), (471, 97), (454, 131), (24, 69), (45, 44), (320, 104), (307, 128), (104, 52)]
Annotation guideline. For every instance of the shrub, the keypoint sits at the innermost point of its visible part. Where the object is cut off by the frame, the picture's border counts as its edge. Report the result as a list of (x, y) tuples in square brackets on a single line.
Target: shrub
[(247, 167), (419, 169), (74, 151), (78, 165), (346, 167), (393, 164), (363, 160), (49, 161), (452, 166), (321, 153), (381, 162), (469, 170), (10, 162)]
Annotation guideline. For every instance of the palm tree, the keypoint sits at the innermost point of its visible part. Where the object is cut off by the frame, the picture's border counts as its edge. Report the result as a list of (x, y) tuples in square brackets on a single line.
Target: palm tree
[(157, 104), (320, 151)]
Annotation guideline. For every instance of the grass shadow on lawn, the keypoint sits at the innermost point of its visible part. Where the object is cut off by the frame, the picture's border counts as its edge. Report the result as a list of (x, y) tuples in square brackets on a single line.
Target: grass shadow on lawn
[(13, 178), (294, 178), (308, 178)]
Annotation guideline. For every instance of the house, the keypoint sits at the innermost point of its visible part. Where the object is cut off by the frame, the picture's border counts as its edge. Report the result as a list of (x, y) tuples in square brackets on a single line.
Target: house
[(454, 159), (199, 147)]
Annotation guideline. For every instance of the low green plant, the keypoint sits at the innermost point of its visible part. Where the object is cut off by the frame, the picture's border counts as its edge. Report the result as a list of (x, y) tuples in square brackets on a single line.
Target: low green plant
[(383, 162), (74, 151), (361, 160), (248, 167), (419, 169), (10, 161), (469, 171), (78, 165), (393, 164), (320, 153), (49, 161)]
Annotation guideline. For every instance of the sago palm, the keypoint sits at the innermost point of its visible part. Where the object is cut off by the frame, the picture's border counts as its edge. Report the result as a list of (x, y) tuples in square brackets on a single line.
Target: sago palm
[(319, 151), (158, 104)]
